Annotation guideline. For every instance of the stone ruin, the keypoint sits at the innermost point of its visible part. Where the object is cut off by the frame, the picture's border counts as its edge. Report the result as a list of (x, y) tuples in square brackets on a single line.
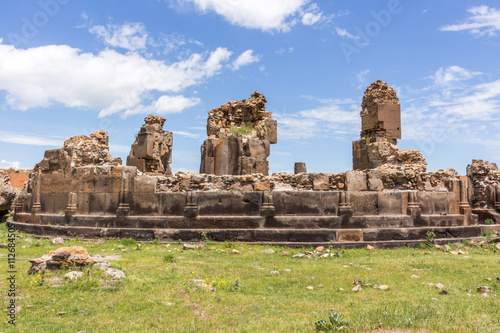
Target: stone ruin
[(152, 148), (380, 129), (7, 193), (388, 198), (239, 135)]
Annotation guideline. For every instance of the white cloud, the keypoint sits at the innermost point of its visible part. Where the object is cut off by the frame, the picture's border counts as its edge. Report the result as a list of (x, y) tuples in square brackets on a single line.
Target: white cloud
[(8, 165), (108, 81), (453, 108), (344, 34), (332, 118), (164, 105), (244, 59), (484, 21), (450, 74), (266, 15), (129, 36), (311, 18), (29, 139), (187, 134)]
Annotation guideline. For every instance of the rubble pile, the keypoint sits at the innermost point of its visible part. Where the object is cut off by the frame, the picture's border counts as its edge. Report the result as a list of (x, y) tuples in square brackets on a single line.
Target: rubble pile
[(89, 150)]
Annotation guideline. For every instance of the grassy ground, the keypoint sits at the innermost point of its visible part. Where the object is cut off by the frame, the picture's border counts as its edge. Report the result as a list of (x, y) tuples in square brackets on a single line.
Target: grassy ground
[(159, 295)]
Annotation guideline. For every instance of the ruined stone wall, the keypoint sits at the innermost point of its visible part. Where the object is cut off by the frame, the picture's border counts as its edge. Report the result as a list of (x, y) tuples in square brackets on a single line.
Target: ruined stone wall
[(374, 152), (239, 135), (18, 178), (7, 193), (484, 181), (152, 148)]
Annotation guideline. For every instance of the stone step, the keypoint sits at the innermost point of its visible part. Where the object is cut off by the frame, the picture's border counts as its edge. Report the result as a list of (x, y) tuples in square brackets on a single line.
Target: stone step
[(267, 235), (249, 222)]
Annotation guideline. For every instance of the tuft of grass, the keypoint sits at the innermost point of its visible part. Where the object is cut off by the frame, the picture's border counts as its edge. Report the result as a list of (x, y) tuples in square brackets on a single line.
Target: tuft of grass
[(489, 221), (128, 242), (169, 258), (244, 129)]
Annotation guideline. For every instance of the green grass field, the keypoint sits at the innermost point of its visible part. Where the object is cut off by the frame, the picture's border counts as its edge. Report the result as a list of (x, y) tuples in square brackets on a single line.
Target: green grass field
[(159, 295)]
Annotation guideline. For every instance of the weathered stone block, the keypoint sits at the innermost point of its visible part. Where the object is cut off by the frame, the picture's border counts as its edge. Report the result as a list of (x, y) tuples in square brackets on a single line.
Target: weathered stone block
[(356, 181), (321, 182), (349, 235)]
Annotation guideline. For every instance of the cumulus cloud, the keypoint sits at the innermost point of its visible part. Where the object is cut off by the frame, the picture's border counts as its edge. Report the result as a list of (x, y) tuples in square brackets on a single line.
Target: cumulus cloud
[(108, 81), (129, 36), (244, 59), (485, 21), (8, 165), (266, 15), (454, 107)]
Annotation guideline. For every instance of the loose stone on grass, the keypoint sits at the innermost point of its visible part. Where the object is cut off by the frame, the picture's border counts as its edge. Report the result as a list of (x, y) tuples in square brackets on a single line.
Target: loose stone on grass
[(114, 273), (73, 275)]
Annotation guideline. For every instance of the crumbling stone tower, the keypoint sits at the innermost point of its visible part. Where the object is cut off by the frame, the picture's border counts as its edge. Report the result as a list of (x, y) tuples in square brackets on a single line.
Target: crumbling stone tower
[(152, 148), (239, 135), (381, 113), (380, 129)]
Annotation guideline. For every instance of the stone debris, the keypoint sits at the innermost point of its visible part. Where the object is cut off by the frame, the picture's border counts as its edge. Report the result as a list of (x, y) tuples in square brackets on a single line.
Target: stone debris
[(275, 273), (193, 246), (152, 148), (62, 257), (57, 240), (369, 247), (73, 275), (439, 285), (484, 289), (83, 150), (239, 135), (203, 285), (284, 254), (356, 288), (114, 273), (383, 287), (310, 288), (268, 251)]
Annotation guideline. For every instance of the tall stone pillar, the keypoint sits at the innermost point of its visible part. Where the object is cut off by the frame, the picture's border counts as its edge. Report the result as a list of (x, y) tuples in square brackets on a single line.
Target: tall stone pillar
[(152, 149)]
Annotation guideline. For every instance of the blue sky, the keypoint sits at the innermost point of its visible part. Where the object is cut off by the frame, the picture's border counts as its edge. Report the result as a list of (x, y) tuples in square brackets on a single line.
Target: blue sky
[(71, 67)]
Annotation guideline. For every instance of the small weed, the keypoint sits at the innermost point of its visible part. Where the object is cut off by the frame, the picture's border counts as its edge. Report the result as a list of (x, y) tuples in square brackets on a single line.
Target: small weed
[(204, 237), (169, 258), (128, 241), (489, 221), (332, 324), (234, 286), (488, 234), (430, 238)]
